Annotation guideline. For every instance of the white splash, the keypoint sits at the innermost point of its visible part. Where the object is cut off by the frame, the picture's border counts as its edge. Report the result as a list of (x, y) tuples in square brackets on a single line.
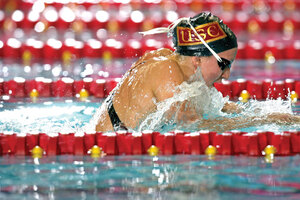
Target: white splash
[(48, 119), (192, 94), (91, 126), (208, 103), (263, 108)]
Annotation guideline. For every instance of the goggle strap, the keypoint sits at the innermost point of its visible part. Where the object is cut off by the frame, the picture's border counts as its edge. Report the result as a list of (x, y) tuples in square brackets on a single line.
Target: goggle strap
[(205, 44), (165, 29), (173, 25)]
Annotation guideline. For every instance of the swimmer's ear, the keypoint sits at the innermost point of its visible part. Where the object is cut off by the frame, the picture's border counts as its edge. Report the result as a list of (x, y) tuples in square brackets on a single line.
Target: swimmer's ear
[(196, 61)]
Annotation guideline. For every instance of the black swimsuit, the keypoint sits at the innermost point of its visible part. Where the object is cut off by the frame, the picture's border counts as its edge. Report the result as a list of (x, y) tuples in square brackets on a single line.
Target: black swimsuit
[(114, 118)]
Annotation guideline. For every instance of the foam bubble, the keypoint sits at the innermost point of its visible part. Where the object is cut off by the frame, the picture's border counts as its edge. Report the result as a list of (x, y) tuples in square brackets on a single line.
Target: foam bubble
[(190, 95)]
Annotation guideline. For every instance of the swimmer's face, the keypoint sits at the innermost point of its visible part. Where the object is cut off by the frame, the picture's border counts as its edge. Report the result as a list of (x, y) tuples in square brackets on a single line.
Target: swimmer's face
[(210, 69)]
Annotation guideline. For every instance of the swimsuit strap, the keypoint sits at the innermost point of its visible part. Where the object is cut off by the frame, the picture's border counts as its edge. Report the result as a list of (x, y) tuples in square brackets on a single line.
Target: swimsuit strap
[(114, 118)]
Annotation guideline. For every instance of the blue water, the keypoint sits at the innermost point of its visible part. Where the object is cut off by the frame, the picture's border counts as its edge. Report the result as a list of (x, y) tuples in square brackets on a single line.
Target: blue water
[(69, 115), (46, 115), (131, 177), (142, 177)]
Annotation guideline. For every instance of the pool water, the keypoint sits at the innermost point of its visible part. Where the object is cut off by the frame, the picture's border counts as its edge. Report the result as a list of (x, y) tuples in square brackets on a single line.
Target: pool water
[(48, 115), (69, 115), (131, 177), (145, 177), (138, 177)]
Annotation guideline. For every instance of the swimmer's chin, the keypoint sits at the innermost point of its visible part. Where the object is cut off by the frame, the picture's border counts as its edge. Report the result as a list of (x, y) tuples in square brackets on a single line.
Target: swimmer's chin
[(209, 85)]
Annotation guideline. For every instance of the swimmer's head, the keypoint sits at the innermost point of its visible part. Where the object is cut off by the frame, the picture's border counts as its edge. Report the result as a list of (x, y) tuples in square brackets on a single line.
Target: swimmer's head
[(214, 32), (200, 37)]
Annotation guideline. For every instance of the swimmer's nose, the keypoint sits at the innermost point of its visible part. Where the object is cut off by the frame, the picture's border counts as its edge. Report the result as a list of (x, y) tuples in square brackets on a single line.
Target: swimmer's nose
[(226, 74)]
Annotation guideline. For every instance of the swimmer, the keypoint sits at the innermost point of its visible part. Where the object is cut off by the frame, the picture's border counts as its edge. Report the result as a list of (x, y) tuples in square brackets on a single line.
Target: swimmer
[(202, 42)]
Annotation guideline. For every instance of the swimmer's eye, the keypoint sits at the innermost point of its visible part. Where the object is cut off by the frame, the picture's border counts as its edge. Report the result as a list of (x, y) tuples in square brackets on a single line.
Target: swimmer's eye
[(224, 63)]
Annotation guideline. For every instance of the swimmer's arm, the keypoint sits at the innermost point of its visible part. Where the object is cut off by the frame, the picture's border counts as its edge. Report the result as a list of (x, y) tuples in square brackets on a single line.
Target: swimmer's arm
[(231, 107), (164, 80), (167, 78), (227, 124)]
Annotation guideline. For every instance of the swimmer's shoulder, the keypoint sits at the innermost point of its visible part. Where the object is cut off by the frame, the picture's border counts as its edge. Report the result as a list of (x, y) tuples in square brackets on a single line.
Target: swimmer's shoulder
[(164, 77), (157, 53), (167, 69), (163, 52)]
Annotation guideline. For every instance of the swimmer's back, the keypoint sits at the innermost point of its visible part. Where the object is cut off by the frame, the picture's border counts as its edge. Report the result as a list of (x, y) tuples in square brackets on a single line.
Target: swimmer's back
[(153, 54), (134, 99)]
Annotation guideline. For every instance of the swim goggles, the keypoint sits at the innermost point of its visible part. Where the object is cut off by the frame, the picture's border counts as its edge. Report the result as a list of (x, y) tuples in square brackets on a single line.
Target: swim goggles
[(222, 62)]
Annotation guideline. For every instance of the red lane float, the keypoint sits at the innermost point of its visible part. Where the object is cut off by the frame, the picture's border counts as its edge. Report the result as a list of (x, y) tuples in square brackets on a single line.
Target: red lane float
[(166, 144), (83, 84), (137, 148), (295, 140), (195, 144), (225, 88), (280, 90), (32, 140), (269, 89), (297, 87), (89, 140), (223, 143), (255, 89), (52, 51), (15, 87), (238, 86), (69, 50), (289, 85), (178, 142), (42, 85), (63, 87), (147, 140), (8, 143), (282, 142), (20, 146), (110, 84), (97, 88), (49, 143), (100, 88), (66, 143), (79, 147), (124, 143), (271, 21), (1, 86), (108, 4), (182, 143), (248, 143)]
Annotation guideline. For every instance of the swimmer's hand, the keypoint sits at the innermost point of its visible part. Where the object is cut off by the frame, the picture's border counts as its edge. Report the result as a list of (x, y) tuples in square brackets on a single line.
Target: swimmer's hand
[(226, 124), (283, 118), (231, 108)]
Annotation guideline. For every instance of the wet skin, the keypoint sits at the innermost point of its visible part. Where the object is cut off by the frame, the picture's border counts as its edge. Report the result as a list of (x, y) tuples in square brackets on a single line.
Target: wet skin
[(153, 78)]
